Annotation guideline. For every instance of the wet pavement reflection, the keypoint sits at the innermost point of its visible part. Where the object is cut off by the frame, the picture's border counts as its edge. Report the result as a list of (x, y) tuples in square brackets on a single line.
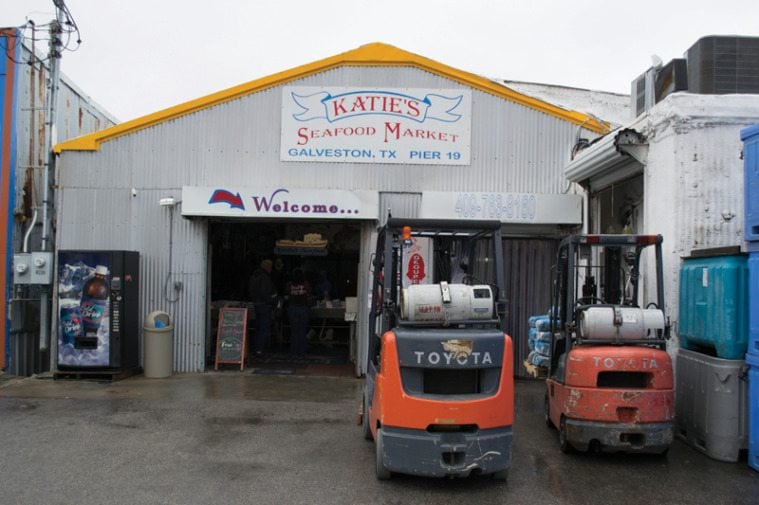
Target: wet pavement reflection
[(239, 437)]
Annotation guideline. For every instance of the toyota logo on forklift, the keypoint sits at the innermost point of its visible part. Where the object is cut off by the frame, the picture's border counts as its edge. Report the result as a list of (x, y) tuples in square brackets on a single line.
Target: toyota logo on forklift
[(455, 351)]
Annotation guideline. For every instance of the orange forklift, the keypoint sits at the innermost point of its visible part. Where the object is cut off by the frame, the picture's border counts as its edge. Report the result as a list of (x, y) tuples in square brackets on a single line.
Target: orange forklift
[(610, 384), (439, 394)]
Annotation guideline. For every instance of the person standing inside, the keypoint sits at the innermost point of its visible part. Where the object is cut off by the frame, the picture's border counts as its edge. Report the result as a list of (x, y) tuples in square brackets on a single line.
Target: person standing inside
[(278, 319), (263, 295), (298, 297), (323, 287), (278, 276)]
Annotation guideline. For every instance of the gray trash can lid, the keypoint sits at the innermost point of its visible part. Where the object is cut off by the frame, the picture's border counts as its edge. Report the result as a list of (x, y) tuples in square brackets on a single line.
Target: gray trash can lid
[(158, 319)]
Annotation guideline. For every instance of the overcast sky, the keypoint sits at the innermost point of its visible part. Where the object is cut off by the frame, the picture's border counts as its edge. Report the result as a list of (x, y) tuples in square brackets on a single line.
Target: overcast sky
[(140, 56)]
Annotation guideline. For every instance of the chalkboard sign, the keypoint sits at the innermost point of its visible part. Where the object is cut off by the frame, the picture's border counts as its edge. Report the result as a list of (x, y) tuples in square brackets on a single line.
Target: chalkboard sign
[(231, 337)]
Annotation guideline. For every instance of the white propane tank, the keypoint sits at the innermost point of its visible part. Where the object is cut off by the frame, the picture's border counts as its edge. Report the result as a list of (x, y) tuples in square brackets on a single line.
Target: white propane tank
[(633, 323), (446, 302)]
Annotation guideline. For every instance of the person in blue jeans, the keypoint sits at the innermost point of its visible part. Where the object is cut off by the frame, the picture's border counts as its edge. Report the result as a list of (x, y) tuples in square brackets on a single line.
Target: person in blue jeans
[(298, 293), (263, 295)]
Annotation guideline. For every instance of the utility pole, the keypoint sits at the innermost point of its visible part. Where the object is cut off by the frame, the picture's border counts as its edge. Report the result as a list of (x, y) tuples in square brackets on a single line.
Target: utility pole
[(47, 244), (55, 51)]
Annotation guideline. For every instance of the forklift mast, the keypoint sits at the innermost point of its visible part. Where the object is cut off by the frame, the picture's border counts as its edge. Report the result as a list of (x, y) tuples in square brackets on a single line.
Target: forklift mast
[(455, 243)]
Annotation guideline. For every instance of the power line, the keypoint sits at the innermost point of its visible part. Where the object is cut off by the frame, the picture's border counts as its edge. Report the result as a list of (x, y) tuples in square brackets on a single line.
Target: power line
[(59, 34)]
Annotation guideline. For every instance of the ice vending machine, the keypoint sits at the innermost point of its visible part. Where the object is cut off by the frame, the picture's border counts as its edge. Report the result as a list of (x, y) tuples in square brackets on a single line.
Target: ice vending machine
[(98, 297)]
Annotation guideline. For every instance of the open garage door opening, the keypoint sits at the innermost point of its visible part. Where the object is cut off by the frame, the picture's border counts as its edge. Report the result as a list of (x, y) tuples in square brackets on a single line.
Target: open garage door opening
[(292, 327)]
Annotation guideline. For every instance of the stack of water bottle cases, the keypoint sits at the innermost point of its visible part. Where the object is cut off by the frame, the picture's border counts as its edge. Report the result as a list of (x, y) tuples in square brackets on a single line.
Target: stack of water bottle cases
[(539, 342), (717, 408)]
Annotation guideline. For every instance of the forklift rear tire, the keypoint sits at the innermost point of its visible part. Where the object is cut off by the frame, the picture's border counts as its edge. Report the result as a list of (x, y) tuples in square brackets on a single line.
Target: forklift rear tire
[(564, 444), (501, 475), (382, 472), (547, 414), (365, 428)]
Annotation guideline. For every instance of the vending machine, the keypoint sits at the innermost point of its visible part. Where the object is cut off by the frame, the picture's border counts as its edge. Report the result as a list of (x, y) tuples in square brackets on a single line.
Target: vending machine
[(98, 298)]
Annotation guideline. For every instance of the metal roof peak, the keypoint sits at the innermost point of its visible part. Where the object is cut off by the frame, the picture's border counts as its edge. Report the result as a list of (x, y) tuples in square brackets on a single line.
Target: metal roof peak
[(371, 54)]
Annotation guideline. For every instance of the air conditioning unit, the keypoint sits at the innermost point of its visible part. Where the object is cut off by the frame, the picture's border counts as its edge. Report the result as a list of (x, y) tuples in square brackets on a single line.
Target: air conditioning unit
[(719, 65), (642, 92), (656, 83), (670, 78)]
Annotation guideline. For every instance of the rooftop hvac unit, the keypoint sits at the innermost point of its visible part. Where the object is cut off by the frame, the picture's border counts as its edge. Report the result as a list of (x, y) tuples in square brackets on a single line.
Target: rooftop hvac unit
[(670, 78), (718, 65), (656, 83), (642, 92)]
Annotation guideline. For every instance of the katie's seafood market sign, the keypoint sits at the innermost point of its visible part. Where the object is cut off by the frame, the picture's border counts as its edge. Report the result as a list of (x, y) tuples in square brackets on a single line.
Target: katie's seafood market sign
[(384, 125)]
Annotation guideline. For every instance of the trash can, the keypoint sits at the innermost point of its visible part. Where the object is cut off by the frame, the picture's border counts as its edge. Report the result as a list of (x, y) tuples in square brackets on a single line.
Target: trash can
[(158, 338)]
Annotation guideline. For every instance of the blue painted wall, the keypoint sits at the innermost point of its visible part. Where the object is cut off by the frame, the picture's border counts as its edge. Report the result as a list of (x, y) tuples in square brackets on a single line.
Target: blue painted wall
[(10, 42)]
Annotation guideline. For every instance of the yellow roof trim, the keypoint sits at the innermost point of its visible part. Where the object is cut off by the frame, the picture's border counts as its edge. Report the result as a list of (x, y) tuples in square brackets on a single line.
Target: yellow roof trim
[(368, 55)]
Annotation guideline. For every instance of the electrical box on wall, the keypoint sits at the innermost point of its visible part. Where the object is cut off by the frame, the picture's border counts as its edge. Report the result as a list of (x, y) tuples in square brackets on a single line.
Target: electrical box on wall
[(33, 268), (42, 267), (22, 268)]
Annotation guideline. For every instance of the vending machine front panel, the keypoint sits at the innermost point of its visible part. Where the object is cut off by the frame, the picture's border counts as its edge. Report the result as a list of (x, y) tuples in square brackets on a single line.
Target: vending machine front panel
[(97, 302)]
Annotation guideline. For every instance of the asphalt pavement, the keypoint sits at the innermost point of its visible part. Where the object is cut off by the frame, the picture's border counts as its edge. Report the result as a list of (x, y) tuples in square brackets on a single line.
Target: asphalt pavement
[(234, 437)]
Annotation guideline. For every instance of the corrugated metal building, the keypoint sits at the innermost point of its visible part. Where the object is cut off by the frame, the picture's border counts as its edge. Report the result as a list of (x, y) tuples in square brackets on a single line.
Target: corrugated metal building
[(23, 104), (324, 150)]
